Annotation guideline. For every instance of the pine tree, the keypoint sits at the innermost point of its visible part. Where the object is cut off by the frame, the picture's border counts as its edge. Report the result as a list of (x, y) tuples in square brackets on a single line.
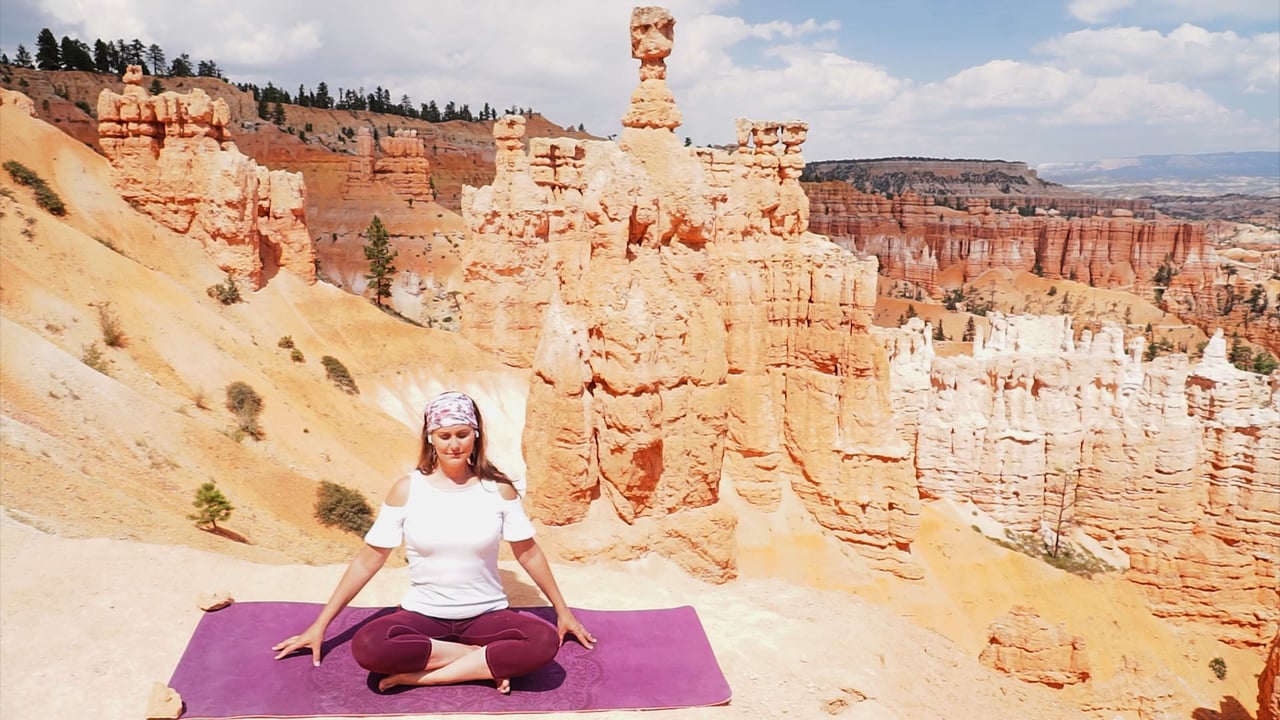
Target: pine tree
[(155, 56), (48, 56), (23, 57), (277, 114), (181, 66), (76, 55), (101, 56), (381, 257), (969, 331), (211, 506)]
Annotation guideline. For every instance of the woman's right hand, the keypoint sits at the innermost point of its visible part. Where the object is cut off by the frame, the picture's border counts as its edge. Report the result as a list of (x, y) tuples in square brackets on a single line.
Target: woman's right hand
[(312, 637)]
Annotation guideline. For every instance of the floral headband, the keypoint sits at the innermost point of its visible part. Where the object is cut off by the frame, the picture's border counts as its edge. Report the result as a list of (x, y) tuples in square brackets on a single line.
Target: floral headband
[(451, 408)]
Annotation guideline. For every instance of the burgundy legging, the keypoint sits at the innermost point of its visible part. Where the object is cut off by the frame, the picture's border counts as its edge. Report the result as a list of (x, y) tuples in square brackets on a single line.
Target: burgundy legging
[(514, 643)]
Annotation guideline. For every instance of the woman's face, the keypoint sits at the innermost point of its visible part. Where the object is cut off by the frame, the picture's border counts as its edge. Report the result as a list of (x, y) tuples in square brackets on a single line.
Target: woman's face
[(454, 443)]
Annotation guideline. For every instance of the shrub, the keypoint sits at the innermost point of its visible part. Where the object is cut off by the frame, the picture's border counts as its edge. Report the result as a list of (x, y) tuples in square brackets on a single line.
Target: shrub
[(45, 196), (1219, 668), (93, 357), (296, 355), (246, 405), (285, 342), (109, 322), (339, 506), (226, 292), (337, 372), (211, 506)]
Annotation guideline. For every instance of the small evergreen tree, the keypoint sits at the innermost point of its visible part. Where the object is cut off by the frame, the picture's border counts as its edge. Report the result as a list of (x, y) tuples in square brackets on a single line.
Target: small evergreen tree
[(155, 56), (181, 66), (23, 57), (381, 257), (48, 56), (970, 332), (211, 506)]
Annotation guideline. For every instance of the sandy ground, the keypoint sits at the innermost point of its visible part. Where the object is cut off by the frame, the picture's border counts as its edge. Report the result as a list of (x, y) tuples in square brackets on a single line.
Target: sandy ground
[(80, 643)]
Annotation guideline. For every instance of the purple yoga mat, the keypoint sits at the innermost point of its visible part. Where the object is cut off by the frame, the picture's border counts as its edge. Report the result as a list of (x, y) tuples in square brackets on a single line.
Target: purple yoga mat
[(645, 659)]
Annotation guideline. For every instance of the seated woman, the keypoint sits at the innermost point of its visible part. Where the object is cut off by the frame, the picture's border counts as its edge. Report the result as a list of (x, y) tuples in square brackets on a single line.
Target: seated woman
[(454, 623)]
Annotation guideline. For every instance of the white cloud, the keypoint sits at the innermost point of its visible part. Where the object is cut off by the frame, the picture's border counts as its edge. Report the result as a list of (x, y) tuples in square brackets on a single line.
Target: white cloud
[(1188, 52)]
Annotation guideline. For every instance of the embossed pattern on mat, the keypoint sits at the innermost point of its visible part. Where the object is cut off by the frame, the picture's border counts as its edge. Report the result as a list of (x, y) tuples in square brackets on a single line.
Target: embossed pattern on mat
[(645, 659)]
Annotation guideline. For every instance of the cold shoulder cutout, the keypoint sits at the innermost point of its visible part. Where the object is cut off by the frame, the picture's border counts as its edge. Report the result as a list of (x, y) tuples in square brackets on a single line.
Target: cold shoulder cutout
[(399, 494)]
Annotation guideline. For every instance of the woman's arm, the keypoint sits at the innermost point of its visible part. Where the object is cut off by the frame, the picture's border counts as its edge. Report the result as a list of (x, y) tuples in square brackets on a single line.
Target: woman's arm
[(363, 567), (534, 562), (366, 563)]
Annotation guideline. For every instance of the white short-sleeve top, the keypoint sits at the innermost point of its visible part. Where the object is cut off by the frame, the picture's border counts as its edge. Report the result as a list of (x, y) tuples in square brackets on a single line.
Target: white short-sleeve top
[(451, 541)]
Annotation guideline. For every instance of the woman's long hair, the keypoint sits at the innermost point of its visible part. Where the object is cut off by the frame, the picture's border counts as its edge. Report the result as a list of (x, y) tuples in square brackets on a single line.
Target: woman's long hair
[(428, 460)]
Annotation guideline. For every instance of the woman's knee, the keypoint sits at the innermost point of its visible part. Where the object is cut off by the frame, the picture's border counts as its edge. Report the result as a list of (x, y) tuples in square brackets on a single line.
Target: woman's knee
[(546, 640), (365, 648)]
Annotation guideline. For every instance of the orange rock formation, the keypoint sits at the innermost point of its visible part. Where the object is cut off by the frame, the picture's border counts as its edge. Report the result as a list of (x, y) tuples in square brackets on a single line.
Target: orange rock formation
[(1023, 645), (403, 167), (686, 333), (1171, 464), (1269, 683), (916, 240), (175, 161)]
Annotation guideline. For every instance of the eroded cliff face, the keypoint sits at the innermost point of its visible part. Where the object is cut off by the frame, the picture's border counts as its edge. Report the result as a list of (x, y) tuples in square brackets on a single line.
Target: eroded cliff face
[(1171, 464), (175, 161), (686, 333), (916, 240)]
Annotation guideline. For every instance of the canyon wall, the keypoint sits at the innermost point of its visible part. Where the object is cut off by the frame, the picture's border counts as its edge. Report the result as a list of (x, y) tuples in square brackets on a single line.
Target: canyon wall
[(1171, 464), (174, 160), (916, 240), (960, 183), (686, 335)]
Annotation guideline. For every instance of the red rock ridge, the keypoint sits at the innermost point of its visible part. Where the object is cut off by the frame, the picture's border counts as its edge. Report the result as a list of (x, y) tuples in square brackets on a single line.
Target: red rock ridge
[(175, 161), (916, 240)]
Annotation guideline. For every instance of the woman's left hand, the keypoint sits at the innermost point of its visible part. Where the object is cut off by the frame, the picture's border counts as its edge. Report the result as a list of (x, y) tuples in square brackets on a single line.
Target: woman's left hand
[(566, 623)]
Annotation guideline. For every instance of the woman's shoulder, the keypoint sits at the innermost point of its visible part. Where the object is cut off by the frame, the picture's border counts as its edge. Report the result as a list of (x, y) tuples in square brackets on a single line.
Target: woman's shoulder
[(400, 491), (505, 490)]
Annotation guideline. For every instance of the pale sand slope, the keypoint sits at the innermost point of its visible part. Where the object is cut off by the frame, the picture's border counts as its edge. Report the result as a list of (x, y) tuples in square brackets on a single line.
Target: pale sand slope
[(79, 642)]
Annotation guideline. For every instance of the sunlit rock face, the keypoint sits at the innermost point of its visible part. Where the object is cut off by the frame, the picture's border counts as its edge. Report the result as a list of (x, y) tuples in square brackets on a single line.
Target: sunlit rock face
[(916, 240), (175, 161), (686, 333), (1169, 463)]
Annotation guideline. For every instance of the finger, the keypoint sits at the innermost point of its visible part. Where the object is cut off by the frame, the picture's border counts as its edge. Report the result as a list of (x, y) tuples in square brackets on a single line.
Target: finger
[(315, 655)]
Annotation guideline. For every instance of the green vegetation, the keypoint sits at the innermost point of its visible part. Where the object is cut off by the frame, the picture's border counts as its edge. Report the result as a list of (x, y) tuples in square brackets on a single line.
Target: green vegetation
[(1076, 561), (381, 257), (45, 196), (285, 342), (246, 405), (1219, 668), (296, 355), (93, 357), (109, 322), (339, 506), (211, 506), (226, 292), (337, 372)]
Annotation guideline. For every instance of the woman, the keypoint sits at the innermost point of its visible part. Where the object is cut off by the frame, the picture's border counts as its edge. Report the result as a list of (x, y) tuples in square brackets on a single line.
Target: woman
[(454, 623)]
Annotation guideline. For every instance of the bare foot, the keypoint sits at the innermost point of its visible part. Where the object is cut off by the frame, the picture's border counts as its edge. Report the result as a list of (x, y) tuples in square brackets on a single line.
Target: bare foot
[(391, 681), (504, 685)]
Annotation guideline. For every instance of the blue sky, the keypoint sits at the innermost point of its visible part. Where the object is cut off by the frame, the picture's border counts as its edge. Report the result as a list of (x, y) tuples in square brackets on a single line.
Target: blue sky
[(1043, 81)]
